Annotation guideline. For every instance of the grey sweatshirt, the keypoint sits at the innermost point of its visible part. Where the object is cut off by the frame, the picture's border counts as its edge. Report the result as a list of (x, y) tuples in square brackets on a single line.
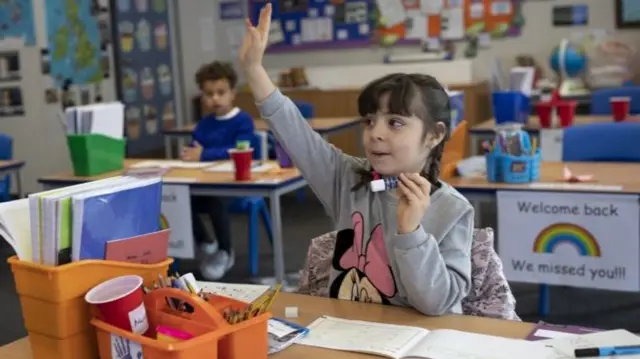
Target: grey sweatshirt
[(428, 269)]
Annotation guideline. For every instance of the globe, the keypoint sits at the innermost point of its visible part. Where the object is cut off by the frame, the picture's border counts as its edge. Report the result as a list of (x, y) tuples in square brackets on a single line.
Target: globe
[(574, 60)]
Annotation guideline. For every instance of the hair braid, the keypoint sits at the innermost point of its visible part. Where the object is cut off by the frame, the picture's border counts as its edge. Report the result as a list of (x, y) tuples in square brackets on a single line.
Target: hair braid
[(432, 171)]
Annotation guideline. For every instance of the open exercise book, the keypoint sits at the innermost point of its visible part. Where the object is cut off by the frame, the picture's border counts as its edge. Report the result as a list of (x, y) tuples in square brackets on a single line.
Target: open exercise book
[(400, 342)]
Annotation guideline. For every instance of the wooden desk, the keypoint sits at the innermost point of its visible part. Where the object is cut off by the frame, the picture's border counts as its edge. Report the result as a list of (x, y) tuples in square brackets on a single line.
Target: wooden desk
[(323, 125), (271, 185), (605, 173), (13, 167), (310, 308), (486, 130)]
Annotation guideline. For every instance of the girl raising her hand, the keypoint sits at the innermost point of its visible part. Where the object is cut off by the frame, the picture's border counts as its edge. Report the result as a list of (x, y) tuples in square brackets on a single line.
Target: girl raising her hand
[(408, 247)]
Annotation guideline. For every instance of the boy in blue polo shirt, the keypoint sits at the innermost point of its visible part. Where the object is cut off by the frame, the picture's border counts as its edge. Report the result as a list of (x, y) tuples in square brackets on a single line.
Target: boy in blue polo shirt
[(219, 129)]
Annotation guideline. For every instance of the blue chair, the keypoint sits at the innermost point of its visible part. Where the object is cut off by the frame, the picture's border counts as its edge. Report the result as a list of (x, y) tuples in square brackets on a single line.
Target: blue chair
[(6, 153), (598, 142), (255, 207), (600, 99), (602, 142)]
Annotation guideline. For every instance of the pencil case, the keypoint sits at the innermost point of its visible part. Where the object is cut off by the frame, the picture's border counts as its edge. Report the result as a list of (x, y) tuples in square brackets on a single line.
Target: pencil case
[(54, 311), (213, 337)]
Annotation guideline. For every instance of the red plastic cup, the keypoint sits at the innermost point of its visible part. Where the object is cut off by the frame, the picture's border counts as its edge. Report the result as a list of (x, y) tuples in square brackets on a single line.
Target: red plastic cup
[(544, 110), (620, 107), (566, 112), (242, 161), (120, 303)]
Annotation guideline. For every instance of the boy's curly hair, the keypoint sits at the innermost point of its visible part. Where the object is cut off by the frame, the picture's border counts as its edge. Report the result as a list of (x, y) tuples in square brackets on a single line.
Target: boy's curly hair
[(217, 71)]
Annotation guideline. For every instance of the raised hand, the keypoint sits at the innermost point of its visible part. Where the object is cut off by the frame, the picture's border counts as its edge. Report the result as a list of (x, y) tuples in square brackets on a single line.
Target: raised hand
[(256, 39)]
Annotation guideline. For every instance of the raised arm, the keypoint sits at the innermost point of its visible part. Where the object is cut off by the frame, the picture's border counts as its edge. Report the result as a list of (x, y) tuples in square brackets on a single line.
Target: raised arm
[(320, 163)]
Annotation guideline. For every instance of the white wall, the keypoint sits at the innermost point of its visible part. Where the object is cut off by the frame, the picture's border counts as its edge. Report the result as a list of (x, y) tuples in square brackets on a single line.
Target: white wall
[(39, 138)]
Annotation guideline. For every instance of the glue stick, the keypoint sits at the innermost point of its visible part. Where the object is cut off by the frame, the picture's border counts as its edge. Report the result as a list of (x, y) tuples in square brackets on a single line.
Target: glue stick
[(384, 184)]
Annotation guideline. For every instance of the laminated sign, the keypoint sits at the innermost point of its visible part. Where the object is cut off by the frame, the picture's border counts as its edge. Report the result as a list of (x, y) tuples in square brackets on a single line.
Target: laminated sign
[(176, 215), (571, 239)]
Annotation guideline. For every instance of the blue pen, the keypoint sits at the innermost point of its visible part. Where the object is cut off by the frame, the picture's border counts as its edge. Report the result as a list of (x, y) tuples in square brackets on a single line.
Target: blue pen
[(607, 351)]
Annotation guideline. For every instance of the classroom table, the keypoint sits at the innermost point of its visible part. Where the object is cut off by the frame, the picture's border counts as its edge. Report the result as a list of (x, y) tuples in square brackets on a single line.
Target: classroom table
[(271, 185), (485, 131), (323, 125), (310, 308), (13, 167)]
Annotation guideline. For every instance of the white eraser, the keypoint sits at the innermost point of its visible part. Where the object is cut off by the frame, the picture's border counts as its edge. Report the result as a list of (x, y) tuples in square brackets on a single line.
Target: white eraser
[(291, 312), (378, 185)]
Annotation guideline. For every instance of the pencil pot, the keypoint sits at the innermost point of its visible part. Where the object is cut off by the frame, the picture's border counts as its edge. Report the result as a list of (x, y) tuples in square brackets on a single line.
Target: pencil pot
[(520, 169), (95, 154), (494, 166), (53, 307), (510, 106), (211, 336)]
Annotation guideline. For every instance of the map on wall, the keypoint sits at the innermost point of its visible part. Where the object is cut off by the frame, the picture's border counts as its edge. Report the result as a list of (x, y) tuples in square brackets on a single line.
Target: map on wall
[(74, 41), (16, 21)]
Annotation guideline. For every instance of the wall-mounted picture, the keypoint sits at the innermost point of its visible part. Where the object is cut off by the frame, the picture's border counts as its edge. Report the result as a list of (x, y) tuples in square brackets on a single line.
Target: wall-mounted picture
[(51, 96), (11, 102), (9, 66), (627, 14), (45, 59)]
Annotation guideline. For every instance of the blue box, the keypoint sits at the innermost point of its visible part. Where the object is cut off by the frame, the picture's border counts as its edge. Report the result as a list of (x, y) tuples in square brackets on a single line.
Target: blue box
[(456, 99), (510, 107)]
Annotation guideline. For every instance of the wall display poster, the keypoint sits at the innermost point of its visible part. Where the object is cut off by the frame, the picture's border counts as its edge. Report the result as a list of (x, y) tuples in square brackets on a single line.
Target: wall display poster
[(144, 65), (11, 101), (305, 24), (586, 240), (16, 23), (570, 15), (75, 41)]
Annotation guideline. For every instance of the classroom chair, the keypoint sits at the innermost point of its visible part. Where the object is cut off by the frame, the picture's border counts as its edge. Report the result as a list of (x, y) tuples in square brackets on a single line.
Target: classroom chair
[(454, 150), (490, 294), (602, 142), (600, 99), (6, 153), (255, 207)]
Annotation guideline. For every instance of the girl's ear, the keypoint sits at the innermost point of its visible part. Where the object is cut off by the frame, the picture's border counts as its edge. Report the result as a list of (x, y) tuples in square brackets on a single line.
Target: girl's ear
[(435, 137)]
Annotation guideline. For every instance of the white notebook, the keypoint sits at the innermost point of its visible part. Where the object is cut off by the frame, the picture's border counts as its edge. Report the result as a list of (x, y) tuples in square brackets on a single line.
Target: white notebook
[(404, 342)]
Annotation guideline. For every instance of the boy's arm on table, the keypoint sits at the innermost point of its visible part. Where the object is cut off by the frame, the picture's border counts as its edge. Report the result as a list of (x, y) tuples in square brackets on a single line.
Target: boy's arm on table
[(437, 276), (321, 164)]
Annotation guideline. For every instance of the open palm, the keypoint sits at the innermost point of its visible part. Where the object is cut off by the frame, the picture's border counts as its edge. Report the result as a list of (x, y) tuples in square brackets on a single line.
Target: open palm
[(256, 39)]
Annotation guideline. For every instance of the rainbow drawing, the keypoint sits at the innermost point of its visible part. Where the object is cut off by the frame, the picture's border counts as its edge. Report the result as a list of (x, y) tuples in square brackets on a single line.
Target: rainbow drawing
[(566, 233), (164, 224)]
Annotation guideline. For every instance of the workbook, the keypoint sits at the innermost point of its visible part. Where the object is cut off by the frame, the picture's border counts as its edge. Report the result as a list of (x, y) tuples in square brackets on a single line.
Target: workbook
[(405, 342)]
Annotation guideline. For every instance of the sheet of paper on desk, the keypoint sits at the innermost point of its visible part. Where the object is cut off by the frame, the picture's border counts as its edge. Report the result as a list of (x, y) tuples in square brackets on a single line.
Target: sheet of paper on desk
[(171, 164), (565, 346), (256, 167), (244, 292)]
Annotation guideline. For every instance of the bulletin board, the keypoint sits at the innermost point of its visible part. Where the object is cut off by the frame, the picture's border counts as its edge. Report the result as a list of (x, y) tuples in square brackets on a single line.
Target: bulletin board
[(329, 24)]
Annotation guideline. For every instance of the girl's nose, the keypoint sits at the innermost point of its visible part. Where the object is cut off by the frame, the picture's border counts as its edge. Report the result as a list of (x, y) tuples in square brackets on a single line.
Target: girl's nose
[(378, 131)]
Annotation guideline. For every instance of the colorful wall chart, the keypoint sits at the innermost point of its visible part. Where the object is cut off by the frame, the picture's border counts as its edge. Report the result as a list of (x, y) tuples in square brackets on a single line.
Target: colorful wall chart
[(302, 24), (145, 71), (16, 21), (74, 41)]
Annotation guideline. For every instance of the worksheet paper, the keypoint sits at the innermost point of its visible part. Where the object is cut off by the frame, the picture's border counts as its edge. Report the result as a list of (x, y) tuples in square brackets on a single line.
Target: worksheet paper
[(400, 342), (256, 167), (565, 346), (393, 11), (453, 23), (431, 7), (172, 164)]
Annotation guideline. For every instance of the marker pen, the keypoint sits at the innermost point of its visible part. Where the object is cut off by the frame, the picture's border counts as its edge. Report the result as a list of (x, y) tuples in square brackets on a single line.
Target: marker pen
[(384, 184), (607, 351)]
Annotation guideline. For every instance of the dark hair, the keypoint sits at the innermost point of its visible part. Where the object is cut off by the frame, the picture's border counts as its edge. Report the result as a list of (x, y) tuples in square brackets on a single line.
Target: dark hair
[(217, 71), (410, 95)]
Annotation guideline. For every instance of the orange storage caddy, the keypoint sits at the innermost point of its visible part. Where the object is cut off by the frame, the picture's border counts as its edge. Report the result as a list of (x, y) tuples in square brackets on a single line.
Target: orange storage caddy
[(53, 307), (214, 337)]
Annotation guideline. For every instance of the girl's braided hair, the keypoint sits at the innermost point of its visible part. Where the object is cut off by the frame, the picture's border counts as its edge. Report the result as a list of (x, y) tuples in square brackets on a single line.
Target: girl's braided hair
[(410, 95)]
